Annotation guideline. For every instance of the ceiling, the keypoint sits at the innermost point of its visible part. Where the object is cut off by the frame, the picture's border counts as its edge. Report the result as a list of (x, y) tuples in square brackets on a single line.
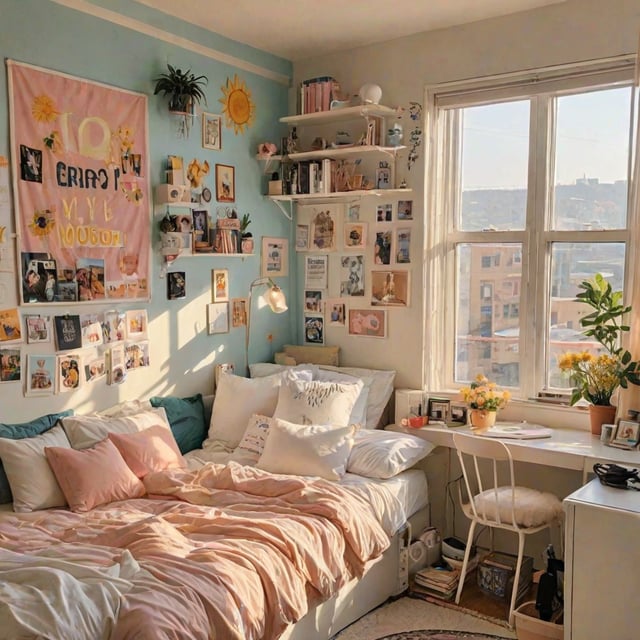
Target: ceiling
[(299, 29)]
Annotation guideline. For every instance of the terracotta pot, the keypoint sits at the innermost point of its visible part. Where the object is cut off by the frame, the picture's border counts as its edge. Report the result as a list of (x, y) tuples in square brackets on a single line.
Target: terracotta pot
[(482, 419), (599, 415)]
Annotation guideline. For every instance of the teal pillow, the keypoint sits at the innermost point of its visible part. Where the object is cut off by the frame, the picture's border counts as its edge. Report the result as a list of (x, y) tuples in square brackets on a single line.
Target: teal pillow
[(20, 431), (186, 418)]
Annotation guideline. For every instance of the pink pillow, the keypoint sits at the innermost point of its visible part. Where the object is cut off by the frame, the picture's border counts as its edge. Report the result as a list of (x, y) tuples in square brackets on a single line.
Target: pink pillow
[(152, 449), (95, 476)]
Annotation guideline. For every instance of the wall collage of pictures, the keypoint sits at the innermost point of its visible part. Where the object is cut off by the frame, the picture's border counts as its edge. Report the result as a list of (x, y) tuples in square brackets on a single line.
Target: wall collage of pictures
[(327, 229)]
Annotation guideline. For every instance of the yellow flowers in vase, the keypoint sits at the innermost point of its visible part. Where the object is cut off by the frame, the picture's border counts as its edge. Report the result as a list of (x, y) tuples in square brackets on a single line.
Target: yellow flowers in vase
[(482, 394)]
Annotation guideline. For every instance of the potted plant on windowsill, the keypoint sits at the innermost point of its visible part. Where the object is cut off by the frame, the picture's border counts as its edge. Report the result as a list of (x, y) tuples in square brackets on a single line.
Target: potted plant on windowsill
[(597, 376)]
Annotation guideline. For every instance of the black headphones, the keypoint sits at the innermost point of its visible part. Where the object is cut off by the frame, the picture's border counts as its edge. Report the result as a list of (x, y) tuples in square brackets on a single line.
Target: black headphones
[(614, 475)]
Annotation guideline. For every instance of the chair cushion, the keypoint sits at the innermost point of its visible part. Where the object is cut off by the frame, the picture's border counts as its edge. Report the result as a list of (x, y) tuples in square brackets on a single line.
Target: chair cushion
[(532, 508)]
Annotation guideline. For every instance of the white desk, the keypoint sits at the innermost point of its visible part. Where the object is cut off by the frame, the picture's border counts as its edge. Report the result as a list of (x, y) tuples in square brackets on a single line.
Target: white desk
[(566, 448)]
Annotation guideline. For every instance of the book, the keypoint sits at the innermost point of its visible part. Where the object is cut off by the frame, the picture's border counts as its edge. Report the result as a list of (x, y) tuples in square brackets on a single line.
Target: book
[(68, 332)]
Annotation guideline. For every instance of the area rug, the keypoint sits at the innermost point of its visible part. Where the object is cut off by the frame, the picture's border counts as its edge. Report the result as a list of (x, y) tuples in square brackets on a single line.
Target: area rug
[(408, 618), (440, 635)]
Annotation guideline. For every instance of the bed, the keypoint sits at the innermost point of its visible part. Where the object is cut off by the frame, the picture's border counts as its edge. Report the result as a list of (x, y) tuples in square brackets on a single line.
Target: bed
[(226, 541)]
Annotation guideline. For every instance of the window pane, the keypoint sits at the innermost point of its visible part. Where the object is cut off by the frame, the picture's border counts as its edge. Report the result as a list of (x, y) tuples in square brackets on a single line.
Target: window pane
[(495, 149), (592, 151), (488, 312), (571, 264)]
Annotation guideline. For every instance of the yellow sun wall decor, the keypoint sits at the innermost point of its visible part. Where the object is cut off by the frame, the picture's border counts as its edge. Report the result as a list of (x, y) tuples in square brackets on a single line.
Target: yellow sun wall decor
[(238, 107)]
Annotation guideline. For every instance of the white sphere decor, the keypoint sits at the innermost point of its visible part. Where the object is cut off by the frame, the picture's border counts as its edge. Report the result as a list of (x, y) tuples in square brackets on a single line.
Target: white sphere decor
[(370, 93)]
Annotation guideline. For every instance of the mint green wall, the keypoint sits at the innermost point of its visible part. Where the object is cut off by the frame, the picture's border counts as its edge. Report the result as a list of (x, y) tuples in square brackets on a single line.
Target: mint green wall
[(47, 34)]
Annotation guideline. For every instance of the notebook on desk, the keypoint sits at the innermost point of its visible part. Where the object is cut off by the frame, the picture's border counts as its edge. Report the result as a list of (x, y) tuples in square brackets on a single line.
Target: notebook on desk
[(518, 431)]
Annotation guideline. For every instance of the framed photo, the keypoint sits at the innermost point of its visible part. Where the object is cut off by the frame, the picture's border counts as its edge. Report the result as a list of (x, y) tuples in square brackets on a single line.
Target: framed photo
[(275, 257), (405, 210), (225, 183), (390, 288), (368, 322), (211, 131), (403, 246), (238, 312), (384, 213), (383, 248), (220, 285), (355, 235), (176, 285), (457, 414), (438, 409), (313, 301), (218, 317), (383, 176), (137, 324), (627, 434), (336, 312), (201, 224), (313, 329)]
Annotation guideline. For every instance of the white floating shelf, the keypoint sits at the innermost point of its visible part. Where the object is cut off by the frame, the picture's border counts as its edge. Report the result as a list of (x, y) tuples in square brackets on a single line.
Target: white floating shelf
[(339, 115)]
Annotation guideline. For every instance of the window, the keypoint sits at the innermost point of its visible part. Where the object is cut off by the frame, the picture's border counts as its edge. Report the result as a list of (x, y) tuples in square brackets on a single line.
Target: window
[(533, 183)]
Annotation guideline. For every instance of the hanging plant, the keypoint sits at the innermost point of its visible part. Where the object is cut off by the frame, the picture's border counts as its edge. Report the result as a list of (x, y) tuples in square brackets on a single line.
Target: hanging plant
[(183, 88)]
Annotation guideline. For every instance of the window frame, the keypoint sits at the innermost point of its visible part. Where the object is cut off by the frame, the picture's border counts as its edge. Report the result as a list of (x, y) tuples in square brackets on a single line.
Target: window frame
[(442, 201)]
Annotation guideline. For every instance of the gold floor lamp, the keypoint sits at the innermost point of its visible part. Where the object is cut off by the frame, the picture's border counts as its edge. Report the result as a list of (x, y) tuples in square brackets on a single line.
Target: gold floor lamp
[(274, 297)]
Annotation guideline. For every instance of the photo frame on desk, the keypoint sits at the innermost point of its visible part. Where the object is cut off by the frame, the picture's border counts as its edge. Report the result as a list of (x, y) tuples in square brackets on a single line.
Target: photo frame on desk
[(438, 409), (627, 435)]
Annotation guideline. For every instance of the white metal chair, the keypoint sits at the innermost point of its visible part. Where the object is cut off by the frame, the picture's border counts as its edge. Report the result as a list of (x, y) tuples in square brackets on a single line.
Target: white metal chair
[(495, 501)]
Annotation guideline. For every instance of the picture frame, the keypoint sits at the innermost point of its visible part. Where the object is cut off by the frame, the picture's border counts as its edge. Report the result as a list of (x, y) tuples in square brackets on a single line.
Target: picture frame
[(458, 415), (238, 312), (176, 285), (41, 375), (201, 224), (336, 311), (316, 272), (439, 409), (370, 323), (211, 131), (10, 365), (302, 237), (323, 229), (313, 301), (225, 183), (390, 288), (38, 328), (354, 235), (220, 285), (627, 434), (274, 260), (405, 209), (314, 329), (217, 317)]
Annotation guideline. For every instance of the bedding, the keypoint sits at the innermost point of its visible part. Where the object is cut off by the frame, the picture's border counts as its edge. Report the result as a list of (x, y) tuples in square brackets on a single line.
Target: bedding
[(225, 547)]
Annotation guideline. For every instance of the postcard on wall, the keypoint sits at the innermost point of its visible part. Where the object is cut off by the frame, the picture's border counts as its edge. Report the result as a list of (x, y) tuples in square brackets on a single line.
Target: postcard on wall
[(116, 370), (336, 312), (39, 328), (323, 229), (176, 285), (40, 280), (352, 276), (10, 365), (368, 322), (383, 248), (136, 322), (302, 237), (114, 326), (68, 332), (90, 279), (68, 367), (390, 288), (238, 312), (355, 235), (275, 257), (220, 285), (91, 327), (315, 272), (384, 213), (313, 301), (94, 367), (405, 210), (353, 212), (10, 326), (313, 329), (403, 246), (218, 317), (136, 354), (41, 375)]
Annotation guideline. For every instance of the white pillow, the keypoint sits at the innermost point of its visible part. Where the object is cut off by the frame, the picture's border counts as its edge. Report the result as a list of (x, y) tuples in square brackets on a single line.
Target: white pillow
[(310, 450), (384, 454), (85, 431), (359, 411), (32, 482), (317, 402), (252, 444), (262, 369), (379, 392), (237, 399)]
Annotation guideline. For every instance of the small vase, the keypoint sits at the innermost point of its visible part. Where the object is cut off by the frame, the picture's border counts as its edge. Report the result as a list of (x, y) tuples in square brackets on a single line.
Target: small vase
[(482, 419), (599, 415)]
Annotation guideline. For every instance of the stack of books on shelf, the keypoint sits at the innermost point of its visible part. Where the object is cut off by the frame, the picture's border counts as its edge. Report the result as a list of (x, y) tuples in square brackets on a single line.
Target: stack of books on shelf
[(227, 236), (497, 571), (316, 94), (439, 581)]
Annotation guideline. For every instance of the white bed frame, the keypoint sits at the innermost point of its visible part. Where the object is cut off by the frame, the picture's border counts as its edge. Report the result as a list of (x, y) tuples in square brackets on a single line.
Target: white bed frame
[(384, 577)]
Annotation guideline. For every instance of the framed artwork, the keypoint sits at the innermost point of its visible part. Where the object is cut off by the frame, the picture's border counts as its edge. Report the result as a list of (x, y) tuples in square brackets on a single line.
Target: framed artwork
[(355, 235), (314, 329), (176, 285), (384, 213), (201, 224), (275, 257), (439, 409), (41, 375), (315, 272), (225, 183), (383, 176), (323, 229), (302, 237), (383, 248), (312, 301), (405, 210), (238, 312), (403, 246), (137, 323), (368, 322), (211, 131), (217, 317), (336, 312), (220, 285), (10, 365), (627, 434), (390, 288), (352, 276)]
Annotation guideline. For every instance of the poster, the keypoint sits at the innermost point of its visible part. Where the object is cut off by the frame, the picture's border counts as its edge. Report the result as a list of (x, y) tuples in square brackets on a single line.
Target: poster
[(81, 187)]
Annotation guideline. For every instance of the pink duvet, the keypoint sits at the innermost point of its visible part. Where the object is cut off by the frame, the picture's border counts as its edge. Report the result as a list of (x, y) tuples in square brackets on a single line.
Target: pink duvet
[(225, 552)]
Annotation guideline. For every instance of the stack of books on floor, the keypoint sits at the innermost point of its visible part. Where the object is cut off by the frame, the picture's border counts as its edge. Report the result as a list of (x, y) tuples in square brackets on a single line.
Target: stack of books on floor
[(439, 582)]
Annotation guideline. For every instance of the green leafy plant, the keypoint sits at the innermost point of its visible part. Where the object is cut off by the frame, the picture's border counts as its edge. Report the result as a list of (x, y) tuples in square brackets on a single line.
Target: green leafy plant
[(596, 377), (183, 88), (245, 221)]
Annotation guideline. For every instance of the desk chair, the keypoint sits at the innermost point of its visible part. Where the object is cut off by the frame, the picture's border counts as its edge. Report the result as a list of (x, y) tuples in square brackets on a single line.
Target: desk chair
[(497, 502)]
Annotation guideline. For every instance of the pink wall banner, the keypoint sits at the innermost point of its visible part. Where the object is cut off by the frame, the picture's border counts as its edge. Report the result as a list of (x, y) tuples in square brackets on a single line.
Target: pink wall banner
[(81, 187)]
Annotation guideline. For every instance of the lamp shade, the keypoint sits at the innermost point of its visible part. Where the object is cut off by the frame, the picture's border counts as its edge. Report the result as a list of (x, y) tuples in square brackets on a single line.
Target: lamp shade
[(276, 300)]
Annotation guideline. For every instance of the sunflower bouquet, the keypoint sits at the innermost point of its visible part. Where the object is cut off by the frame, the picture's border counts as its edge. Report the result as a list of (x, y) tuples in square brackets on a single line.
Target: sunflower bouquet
[(482, 394)]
